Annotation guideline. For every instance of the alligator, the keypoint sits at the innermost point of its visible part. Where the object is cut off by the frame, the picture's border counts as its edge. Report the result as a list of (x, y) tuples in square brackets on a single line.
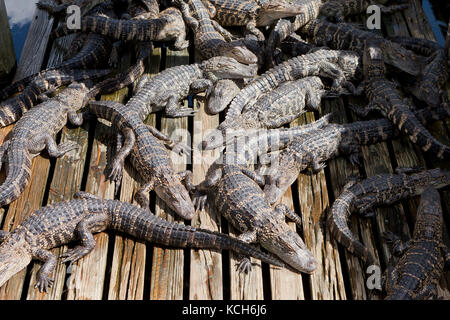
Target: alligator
[(344, 36), (12, 109), (416, 275), (146, 146), (281, 106), (384, 97), (339, 9), (429, 85), (381, 189), (61, 9), (209, 36), (93, 52), (235, 191), (78, 219), (250, 13), (337, 65), (168, 26), (168, 87), (312, 150)]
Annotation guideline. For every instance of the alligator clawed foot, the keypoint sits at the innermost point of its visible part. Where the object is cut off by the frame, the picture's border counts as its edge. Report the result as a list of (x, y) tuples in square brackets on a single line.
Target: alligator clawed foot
[(389, 237), (244, 265), (199, 201), (74, 254), (182, 149), (43, 282), (114, 173), (354, 160)]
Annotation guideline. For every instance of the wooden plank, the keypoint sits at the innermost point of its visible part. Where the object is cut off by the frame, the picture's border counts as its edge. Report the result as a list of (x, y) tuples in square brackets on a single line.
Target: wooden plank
[(168, 264), (7, 55), (34, 49), (327, 281), (31, 198), (128, 265), (205, 280), (340, 171)]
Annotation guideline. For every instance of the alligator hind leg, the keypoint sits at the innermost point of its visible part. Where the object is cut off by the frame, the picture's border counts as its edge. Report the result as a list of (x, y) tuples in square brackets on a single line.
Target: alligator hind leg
[(43, 280), (75, 118), (142, 195), (284, 211), (187, 15), (84, 231), (116, 167), (244, 264), (85, 195), (223, 32)]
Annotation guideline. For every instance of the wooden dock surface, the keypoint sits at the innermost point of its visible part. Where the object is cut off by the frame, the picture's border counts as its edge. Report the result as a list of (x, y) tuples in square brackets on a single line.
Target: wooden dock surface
[(122, 268)]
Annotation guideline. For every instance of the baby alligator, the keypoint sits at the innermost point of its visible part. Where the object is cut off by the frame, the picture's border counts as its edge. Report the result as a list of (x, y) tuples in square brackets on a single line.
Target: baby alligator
[(78, 219)]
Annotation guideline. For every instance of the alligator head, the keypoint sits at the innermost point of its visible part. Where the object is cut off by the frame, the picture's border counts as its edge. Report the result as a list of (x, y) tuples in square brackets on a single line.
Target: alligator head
[(273, 10), (176, 196), (228, 68), (279, 239), (237, 50), (221, 95), (15, 255)]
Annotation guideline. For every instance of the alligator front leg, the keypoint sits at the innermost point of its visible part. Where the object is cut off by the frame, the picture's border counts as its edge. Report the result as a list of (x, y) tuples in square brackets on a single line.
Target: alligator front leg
[(43, 280), (352, 150), (244, 264), (85, 195), (84, 231), (363, 112), (259, 179), (200, 195), (178, 147), (200, 85), (398, 247), (114, 170), (283, 211), (331, 70), (186, 179), (57, 151), (75, 118), (223, 32), (173, 110), (142, 195)]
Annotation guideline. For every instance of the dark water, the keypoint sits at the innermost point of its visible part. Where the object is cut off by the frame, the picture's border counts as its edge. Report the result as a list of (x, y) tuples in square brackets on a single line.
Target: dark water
[(20, 13)]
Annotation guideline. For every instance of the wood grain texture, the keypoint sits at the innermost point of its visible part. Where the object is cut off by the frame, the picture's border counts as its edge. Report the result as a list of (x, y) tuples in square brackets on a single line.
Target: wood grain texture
[(7, 55)]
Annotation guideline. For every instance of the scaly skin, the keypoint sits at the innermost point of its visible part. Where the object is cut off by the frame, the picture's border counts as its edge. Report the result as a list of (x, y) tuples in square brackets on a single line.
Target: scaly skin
[(94, 51), (149, 156), (429, 86), (235, 191), (416, 275), (168, 87), (338, 65), (168, 26), (309, 11), (280, 106), (208, 40), (385, 98), (312, 150), (12, 109), (78, 219), (250, 14), (342, 36), (35, 132), (241, 201), (59, 9), (382, 189), (339, 9)]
